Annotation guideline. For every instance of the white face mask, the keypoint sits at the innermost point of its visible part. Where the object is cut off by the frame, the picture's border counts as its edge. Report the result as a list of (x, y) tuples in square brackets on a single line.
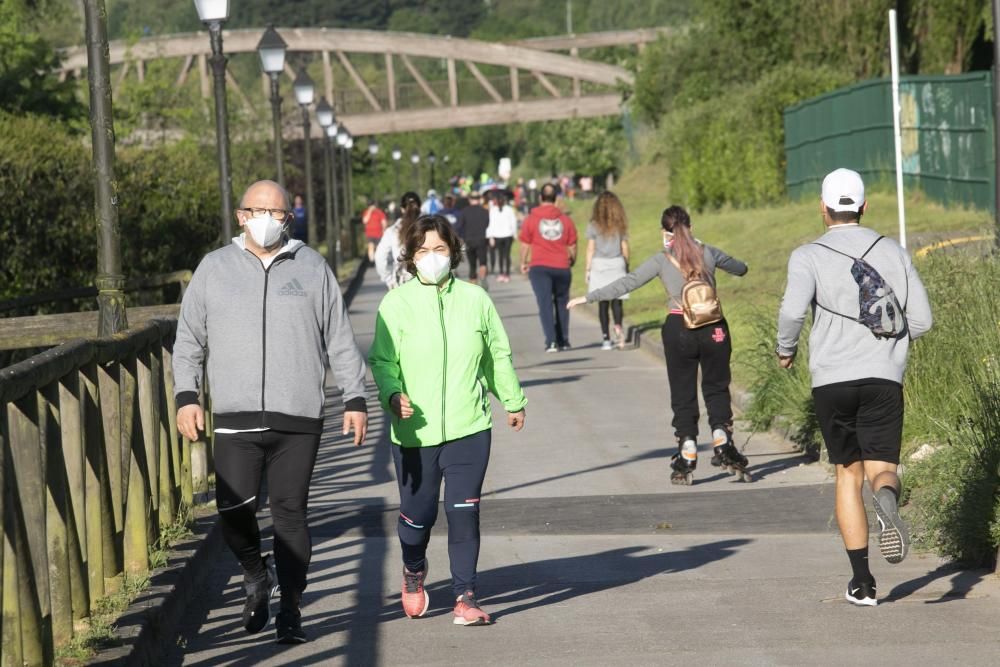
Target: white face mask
[(433, 268), (265, 230), (668, 238)]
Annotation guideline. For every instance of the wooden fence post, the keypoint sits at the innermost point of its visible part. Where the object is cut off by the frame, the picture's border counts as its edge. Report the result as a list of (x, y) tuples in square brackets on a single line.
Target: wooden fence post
[(58, 514), (134, 469), (72, 425), (148, 372), (96, 503), (10, 629)]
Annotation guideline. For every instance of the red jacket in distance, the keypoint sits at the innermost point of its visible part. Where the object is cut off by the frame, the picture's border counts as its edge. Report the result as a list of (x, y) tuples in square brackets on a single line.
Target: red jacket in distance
[(373, 219), (550, 233)]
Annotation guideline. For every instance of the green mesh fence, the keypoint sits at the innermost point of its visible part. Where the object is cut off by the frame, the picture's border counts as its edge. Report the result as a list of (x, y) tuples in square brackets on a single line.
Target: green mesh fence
[(947, 132)]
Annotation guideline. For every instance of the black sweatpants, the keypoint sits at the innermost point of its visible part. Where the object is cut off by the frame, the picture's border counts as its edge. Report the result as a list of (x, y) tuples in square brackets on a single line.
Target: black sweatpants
[(503, 250), (240, 460), (419, 471), (686, 349), (602, 313)]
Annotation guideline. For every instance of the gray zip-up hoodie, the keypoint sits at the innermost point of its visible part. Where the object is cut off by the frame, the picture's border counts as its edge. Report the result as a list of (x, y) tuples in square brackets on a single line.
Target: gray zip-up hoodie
[(265, 333), (842, 350)]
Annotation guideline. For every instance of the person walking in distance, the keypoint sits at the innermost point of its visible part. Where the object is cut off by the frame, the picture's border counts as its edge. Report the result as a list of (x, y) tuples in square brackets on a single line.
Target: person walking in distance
[(387, 265), (265, 314), (439, 347), (868, 304), (473, 220), (689, 345), (548, 250), (375, 222), (501, 231), (607, 260)]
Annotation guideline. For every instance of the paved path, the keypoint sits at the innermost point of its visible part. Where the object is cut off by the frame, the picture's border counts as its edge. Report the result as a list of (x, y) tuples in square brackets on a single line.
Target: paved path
[(590, 556)]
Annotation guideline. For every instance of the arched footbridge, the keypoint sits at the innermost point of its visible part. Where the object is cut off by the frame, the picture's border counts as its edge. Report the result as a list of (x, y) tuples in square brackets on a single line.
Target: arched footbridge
[(382, 82)]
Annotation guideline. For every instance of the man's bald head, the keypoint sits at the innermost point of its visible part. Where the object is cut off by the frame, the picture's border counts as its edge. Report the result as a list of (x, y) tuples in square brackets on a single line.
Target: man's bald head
[(266, 194)]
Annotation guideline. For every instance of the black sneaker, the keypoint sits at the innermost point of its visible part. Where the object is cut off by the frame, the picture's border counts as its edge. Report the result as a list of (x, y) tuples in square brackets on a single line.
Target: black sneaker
[(288, 627), (861, 594), (257, 609), (894, 540), (565, 347)]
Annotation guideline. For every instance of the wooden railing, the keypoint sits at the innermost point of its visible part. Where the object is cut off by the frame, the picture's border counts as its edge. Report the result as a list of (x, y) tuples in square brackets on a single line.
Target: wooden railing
[(91, 467)]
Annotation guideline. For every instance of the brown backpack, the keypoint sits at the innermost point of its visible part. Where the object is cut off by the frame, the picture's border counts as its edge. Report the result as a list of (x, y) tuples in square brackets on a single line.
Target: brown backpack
[(699, 300)]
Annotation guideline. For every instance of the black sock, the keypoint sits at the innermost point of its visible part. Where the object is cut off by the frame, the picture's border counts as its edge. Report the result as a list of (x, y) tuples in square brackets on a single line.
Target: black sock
[(859, 564)]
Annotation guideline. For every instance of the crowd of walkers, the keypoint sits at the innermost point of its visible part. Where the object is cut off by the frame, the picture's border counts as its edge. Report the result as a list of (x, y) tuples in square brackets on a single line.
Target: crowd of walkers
[(264, 316)]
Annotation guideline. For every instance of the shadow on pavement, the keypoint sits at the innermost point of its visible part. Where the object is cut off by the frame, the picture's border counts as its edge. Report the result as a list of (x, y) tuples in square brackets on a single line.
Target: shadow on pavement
[(962, 582)]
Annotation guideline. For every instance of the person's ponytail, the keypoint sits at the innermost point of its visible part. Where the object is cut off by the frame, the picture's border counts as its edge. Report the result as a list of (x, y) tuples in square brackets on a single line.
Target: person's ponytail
[(410, 208), (690, 255)]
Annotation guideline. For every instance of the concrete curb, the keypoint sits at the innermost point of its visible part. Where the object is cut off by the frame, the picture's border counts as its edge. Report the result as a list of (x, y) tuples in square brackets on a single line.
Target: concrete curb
[(144, 631)]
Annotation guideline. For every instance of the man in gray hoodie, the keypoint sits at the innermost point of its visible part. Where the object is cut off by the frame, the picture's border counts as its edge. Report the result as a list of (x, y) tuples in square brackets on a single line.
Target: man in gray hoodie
[(868, 304), (264, 314)]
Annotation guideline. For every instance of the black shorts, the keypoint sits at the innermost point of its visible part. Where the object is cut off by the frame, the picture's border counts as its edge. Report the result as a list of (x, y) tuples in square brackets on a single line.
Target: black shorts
[(861, 421), (477, 252)]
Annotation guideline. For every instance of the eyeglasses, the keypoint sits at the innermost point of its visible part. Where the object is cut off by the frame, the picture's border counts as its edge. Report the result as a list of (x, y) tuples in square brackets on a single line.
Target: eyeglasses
[(276, 213)]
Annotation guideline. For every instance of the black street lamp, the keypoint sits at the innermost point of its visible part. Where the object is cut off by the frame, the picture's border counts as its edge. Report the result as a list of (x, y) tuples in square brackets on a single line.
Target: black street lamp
[(345, 210), (432, 160), (214, 13), (397, 155), (324, 116), (305, 92), (272, 60), (349, 186), (415, 161), (372, 152)]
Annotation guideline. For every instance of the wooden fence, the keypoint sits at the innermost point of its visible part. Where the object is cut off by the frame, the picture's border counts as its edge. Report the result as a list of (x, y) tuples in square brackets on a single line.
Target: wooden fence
[(91, 467)]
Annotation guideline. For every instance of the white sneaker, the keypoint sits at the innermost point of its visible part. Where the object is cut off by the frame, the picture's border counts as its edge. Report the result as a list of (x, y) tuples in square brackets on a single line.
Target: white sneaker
[(606, 345)]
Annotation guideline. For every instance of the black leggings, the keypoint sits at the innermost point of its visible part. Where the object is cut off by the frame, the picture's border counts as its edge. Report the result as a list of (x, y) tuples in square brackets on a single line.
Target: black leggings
[(240, 459), (602, 313), (503, 250), (419, 470), (687, 349)]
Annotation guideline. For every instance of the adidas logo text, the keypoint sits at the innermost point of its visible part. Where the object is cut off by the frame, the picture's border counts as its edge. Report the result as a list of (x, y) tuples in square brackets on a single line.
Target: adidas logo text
[(294, 288)]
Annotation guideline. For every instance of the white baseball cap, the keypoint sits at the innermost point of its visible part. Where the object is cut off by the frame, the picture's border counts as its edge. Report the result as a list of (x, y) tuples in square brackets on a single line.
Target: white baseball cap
[(843, 190)]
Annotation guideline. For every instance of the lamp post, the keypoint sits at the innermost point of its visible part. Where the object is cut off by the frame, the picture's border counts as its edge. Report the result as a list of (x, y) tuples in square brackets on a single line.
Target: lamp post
[(272, 60), (432, 160), (342, 136), (349, 177), (415, 161), (397, 155), (372, 152), (324, 116), (214, 13), (305, 92), (110, 280)]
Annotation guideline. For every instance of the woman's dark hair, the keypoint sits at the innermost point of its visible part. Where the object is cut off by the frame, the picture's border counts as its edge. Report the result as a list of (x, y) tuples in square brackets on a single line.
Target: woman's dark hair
[(409, 209), (690, 255), (417, 232)]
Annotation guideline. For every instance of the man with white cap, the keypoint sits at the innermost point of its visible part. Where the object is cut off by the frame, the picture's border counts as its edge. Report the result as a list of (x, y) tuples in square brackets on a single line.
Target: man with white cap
[(868, 304)]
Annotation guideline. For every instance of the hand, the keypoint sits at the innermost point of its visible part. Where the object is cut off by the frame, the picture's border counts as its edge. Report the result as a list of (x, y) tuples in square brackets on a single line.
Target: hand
[(524, 268), (578, 301), (191, 421), (785, 362), (401, 406), (516, 420), (493, 243), (357, 422)]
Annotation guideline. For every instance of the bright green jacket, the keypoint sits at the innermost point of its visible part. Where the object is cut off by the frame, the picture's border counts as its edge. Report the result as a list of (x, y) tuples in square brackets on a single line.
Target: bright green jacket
[(444, 348)]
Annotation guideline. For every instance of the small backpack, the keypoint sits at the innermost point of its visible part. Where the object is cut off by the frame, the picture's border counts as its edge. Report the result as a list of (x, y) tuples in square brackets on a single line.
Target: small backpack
[(878, 307), (699, 300)]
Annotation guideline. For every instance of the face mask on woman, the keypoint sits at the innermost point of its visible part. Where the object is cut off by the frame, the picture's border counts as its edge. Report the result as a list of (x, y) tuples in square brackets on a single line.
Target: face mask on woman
[(265, 230), (668, 238), (433, 268)]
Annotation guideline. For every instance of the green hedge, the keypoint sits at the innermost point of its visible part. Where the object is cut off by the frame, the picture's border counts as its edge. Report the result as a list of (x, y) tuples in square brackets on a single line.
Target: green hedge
[(168, 201), (730, 150)]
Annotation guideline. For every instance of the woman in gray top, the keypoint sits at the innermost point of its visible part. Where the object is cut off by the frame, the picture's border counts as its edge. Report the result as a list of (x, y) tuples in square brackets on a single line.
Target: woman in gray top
[(607, 259), (707, 347)]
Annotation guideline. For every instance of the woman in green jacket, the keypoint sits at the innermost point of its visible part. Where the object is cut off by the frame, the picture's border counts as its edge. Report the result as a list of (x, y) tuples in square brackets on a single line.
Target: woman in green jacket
[(439, 347)]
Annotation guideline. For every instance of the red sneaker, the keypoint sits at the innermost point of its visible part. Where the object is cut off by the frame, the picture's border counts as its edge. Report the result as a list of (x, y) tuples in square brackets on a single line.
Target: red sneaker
[(415, 598), (467, 611)]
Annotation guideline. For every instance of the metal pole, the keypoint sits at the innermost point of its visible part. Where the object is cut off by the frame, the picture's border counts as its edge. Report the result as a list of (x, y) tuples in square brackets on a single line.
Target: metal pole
[(395, 164), (416, 177), (374, 184), (310, 207), (222, 130), (327, 180), (996, 115), (352, 203), (110, 281), (897, 133), (276, 117), (345, 205), (432, 176), (337, 201)]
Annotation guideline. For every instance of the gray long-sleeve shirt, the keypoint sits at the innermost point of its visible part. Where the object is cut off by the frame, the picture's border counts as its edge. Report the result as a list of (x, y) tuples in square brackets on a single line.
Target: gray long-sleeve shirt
[(673, 281), (842, 350), (265, 333)]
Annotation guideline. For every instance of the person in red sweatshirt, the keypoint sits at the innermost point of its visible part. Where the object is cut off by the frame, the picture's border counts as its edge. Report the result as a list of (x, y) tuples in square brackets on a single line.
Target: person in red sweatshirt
[(548, 250)]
